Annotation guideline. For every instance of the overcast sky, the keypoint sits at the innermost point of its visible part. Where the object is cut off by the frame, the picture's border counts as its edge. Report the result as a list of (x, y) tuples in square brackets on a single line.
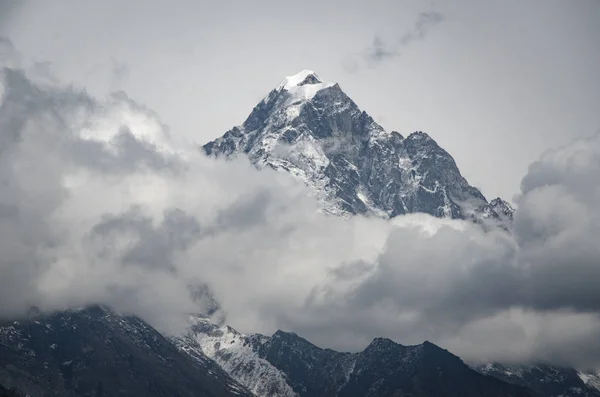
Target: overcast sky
[(496, 83)]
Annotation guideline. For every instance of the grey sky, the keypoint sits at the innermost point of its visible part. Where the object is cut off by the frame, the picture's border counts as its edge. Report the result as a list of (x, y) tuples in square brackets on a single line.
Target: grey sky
[(496, 83)]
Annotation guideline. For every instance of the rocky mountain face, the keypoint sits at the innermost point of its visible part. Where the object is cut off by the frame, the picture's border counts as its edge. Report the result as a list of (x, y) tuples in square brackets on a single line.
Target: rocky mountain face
[(314, 131), (95, 352), (287, 365), (547, 380)]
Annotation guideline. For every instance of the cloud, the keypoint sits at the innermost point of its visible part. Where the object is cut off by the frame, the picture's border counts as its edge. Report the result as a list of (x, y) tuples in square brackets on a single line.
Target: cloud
[(382, 50), (102, 203), (119, 73)]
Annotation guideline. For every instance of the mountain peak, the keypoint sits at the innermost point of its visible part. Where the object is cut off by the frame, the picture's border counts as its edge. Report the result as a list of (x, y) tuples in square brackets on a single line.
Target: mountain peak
[(279, 333), (380, 341), (420, 135), (314, 131)]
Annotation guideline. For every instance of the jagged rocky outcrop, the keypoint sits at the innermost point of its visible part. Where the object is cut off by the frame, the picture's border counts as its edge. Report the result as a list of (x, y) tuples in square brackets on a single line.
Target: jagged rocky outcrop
[(551, 381), (314, 131), (287, 365), (96, 352)]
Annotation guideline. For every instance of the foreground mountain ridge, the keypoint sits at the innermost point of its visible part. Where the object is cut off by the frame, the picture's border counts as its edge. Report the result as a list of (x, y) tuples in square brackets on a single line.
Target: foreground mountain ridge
[(287, 365), (315, 132), (97, 352)]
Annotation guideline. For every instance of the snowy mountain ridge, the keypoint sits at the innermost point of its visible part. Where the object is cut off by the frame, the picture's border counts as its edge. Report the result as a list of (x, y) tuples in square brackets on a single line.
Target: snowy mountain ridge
[(314, 131)]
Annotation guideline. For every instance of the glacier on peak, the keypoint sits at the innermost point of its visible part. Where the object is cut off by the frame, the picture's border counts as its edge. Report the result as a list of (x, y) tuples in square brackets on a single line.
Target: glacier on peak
[(301, 87), (299, 79)]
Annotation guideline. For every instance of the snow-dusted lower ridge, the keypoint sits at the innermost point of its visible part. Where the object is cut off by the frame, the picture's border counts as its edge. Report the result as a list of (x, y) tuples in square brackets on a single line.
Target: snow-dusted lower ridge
[(590, 378), (315, 132), (287, 365), (234, 352), (550, 381)]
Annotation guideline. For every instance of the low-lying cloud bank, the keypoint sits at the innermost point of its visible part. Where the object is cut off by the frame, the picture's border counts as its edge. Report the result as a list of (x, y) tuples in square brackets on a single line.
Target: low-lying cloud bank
[(101, 203)]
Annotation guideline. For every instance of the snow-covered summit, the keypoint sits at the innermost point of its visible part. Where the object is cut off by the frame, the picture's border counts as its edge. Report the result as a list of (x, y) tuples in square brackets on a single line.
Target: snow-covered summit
[(302, 86), (302, 78)]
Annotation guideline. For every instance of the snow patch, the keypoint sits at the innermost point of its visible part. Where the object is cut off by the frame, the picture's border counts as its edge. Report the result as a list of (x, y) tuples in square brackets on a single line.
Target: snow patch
[(296, 79), (302, 92), (234, 352), (590, 379)]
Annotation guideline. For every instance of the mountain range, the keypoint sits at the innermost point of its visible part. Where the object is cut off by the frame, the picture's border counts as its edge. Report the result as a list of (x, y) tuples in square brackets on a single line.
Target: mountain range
[(312, 130)]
